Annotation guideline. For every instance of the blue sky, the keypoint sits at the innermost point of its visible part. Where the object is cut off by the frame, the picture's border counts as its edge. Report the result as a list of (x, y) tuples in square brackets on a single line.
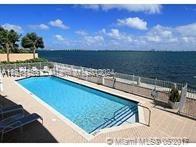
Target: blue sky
[(106, 27)]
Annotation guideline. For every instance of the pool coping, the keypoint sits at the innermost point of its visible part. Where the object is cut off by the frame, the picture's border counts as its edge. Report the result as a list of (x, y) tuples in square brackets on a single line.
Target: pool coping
[(58, 114), (82, 132)]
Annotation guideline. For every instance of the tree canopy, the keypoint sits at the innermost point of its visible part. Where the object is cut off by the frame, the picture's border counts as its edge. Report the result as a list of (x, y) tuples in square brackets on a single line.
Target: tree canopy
[(32, 41), (8, 40)]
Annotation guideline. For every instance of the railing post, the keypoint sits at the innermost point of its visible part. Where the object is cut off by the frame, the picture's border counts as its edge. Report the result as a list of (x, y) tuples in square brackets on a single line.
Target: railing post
[(28, 65), (183, 98), (54, 70), (40, 68), (175, 86), (155, 83), (138, 81), (1, 83), (133, 77), (103, 80), (82, 72), (71, 70)]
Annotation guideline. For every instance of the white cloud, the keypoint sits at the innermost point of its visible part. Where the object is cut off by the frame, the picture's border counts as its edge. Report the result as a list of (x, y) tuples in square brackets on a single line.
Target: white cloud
[(58, 23), (81, 32), (103, 31), (188, 30), (153, 38), (114, 33), (161, 34), (59, 37), (8, 26), (133, 22), (114, 36), (90, 40), (62, 41), (158, 37), (189, 39), (166, 33), (96, 40), (147, 8), (40, 26), (91, 6), (43, 26)]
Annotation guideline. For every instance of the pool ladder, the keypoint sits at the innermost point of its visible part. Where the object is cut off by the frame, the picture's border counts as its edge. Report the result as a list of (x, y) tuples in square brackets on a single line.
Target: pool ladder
[(119, 117)]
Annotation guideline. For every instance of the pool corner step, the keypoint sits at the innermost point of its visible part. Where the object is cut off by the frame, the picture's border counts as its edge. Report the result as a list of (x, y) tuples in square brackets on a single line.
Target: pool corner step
[(120, 116)]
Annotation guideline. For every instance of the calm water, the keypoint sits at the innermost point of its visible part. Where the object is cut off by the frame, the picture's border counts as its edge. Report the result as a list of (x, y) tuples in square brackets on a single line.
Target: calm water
[(86, 107), (172, 66)]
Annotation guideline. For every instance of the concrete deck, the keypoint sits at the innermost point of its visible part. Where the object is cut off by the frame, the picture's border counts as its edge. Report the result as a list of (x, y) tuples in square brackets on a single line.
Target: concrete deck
[(55, 129)]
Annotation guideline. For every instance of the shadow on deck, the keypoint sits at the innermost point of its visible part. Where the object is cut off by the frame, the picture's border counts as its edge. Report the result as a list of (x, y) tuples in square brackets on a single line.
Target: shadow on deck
[(32, 133)]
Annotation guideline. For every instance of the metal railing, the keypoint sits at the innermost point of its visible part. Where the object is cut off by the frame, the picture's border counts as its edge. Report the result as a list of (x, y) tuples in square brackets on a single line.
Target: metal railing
[(148, 82), (149, 113), (24, 69), (38, 65), (80, 72), (189, 108), (130, 83), (88, 73), (191, 93)]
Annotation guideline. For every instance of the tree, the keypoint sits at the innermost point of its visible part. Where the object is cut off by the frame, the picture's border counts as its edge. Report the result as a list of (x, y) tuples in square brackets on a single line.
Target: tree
[(32, 41), (8, 40), (13, 38)]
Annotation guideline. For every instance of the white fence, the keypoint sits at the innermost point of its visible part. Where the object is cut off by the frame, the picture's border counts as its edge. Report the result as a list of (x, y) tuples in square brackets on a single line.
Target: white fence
[(81, 72), (25, 69), (105, 74), (149, 82), (129, 83)]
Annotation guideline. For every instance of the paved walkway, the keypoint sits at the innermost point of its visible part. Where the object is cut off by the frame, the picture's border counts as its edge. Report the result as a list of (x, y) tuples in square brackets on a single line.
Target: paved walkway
[(163, 123)]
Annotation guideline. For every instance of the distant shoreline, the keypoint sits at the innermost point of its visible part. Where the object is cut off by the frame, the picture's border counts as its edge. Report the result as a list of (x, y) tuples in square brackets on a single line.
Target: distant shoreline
[(71, 50)]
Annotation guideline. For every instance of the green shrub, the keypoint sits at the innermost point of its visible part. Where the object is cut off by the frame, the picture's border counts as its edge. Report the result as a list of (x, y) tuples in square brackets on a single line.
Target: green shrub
[(2, 51), (22, 51), (16, 50), (26, 61), (174, 95)]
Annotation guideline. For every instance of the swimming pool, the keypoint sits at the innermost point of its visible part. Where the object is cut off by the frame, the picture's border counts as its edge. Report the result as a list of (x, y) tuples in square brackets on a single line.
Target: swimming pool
[(88, 108)]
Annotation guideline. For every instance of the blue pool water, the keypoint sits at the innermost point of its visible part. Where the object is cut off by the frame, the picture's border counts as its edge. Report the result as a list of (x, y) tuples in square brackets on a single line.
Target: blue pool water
[(84, 106)]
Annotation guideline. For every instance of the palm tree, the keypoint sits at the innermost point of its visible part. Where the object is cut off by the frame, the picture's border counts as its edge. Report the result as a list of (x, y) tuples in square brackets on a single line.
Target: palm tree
[(8, 40), (13, 38), (32, 41)]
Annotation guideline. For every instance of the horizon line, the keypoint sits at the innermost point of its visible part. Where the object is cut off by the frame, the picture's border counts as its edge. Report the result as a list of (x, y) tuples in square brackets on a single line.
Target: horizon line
[(116, 50)]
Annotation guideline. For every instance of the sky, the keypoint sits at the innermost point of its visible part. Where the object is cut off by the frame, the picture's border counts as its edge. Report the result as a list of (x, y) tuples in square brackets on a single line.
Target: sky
[(106, 27)]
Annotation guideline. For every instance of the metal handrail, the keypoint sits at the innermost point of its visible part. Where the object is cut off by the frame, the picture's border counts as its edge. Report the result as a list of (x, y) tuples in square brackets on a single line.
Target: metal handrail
[(149, 118)]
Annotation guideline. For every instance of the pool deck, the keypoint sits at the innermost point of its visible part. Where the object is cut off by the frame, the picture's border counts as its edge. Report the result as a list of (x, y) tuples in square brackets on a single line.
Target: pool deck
[(55, 129)]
